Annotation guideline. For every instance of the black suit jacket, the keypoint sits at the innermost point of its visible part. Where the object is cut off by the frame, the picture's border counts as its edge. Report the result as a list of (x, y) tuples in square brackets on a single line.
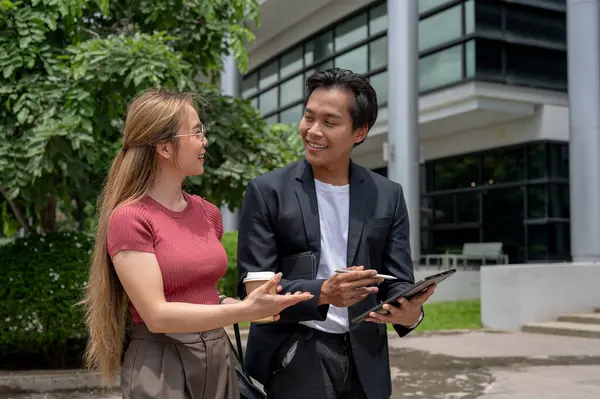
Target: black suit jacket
[(279, 217)]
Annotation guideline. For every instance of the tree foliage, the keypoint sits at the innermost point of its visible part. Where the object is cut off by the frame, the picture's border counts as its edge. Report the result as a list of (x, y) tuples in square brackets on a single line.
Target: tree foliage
[(68, 68)]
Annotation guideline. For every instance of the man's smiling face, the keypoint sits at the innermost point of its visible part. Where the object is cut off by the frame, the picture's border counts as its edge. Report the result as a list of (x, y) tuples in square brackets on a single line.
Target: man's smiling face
[(326, 128)]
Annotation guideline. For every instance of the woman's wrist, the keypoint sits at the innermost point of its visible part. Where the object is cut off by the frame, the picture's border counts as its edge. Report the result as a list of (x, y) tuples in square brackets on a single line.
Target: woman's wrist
[(230, 301), (242, 307)]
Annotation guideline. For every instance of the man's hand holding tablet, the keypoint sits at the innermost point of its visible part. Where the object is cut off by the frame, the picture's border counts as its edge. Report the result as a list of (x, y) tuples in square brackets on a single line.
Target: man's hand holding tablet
[(410, 301)]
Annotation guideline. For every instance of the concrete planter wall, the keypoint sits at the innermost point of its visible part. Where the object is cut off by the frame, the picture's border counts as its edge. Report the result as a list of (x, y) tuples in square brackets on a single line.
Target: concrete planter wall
[(514, 295)]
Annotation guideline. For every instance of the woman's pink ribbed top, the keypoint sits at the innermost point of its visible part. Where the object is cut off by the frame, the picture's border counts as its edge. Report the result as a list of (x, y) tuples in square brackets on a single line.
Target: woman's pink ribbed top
[(187, 245)]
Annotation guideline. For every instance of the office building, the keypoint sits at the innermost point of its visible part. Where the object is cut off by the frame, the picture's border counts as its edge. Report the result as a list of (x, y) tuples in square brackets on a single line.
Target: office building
[(493, 108)]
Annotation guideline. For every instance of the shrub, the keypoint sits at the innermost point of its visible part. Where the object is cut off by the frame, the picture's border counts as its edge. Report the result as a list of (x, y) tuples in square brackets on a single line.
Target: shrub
[(228, 284), (43, 278)]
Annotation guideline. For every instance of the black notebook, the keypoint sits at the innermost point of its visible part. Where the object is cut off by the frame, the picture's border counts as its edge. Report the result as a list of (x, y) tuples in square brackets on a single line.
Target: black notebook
[(302, 266)]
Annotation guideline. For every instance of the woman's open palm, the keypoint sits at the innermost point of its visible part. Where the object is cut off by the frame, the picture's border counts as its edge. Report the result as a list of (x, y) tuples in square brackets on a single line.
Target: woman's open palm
[(265, 304)]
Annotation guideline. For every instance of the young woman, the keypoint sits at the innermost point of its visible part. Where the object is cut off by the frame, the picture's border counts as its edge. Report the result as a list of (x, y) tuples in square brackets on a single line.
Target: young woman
[(158, 253)]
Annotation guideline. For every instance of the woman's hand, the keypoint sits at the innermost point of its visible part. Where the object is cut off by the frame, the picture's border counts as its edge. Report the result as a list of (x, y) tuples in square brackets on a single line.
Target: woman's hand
[(262, 303)]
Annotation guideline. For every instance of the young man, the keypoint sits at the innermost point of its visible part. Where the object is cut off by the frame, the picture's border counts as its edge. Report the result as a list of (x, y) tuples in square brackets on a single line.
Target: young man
[(316, 216)]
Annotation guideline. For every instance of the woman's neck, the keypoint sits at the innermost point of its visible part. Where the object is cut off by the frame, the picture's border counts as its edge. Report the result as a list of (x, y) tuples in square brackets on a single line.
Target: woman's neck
[(166, 190)]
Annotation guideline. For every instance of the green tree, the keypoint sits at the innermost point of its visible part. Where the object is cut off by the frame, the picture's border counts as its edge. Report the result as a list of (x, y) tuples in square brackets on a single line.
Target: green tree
[(69, 67)]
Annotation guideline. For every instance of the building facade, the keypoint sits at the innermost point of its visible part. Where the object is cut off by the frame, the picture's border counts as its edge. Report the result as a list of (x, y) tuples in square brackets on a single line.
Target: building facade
[(493, 117)]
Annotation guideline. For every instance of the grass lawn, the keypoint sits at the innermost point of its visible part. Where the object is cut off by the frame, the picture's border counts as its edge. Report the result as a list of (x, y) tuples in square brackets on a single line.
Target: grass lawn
[(456, 315)]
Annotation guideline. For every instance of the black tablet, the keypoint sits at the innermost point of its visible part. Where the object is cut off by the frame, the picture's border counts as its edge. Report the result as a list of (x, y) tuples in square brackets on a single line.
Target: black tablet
[(411, 291)]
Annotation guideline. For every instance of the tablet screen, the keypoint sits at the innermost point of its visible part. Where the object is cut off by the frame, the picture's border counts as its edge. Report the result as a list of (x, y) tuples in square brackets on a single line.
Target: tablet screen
[(409, 292)]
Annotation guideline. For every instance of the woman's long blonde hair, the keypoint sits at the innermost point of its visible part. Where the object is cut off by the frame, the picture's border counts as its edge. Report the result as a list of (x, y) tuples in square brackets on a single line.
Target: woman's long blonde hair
[(153, 117)]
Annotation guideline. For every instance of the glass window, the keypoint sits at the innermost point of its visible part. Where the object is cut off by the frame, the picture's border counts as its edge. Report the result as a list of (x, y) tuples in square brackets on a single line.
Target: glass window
[(291, 62), (291, 91), (351, 32), (559, 160), (427, 213), (510, 215), (292, 115), (536, 161), (453, 239), (318, 48), (559, 201), (549, 242), (380, 84), (504, 165), (426, 244), (547, 200), (254, 102), (443, 209), (467, 207), (488, 59), (537, 202), (487, 19), (426, 5), (440, 28), (378, 53), (378, 19), (355, 60), (469, 17), (470, 57), (422, 179), (503, 220), (271, 119), (552, 2), (430, 170), (249, 85), (536, 66), (501, 207), (309, 73), (542, 26), (268, 75), (457, 172), (440, 68), (320, 67), (268, 101)]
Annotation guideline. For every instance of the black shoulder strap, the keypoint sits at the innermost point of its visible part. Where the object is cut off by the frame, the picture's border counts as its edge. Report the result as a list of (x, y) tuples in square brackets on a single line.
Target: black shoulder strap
[(238, 341)]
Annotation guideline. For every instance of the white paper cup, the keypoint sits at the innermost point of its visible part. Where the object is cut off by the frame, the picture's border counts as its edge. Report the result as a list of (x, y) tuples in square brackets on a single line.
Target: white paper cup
[(254, 280)]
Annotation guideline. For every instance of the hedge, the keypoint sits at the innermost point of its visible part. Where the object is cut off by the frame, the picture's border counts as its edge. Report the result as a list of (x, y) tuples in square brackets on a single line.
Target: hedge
[(43, 279), (227, 285)]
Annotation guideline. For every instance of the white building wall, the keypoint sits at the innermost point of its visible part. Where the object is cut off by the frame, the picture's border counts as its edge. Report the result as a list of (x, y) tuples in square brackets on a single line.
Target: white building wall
[(550, 122)]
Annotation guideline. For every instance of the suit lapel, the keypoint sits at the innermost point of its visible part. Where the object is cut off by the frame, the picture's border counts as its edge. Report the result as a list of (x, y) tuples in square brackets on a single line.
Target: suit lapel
[(307, 198), (358, 207)]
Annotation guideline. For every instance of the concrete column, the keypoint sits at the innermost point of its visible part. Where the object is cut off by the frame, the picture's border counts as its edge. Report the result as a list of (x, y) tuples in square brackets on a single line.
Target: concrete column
[(229, 86), (230, 77), (583, 39), (403, 109)]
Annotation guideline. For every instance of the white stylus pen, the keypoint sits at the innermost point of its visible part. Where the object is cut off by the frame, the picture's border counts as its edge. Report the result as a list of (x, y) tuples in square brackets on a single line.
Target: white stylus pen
[(383, 276)]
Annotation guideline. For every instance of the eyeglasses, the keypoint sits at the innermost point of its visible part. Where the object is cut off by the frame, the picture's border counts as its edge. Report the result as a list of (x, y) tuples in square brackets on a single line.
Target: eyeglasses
[(201, 134)]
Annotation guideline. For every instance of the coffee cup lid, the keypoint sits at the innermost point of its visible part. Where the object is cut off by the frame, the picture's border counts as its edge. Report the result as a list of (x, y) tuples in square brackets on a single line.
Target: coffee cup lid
[(256, 276)]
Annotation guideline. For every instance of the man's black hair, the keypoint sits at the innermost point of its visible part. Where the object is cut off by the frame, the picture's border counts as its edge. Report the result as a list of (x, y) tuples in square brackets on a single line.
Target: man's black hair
[(365, 108)]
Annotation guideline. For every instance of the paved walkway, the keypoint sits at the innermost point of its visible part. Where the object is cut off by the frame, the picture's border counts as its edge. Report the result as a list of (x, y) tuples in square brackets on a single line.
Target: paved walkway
[(470, 365), (491, 365)]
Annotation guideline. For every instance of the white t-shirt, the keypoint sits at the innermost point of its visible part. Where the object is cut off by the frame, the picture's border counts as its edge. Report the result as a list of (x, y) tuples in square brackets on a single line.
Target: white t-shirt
[(334, 210)]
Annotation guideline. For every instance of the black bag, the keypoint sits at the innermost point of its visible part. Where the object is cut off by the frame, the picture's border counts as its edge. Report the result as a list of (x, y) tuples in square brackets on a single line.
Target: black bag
[(247, 388)]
